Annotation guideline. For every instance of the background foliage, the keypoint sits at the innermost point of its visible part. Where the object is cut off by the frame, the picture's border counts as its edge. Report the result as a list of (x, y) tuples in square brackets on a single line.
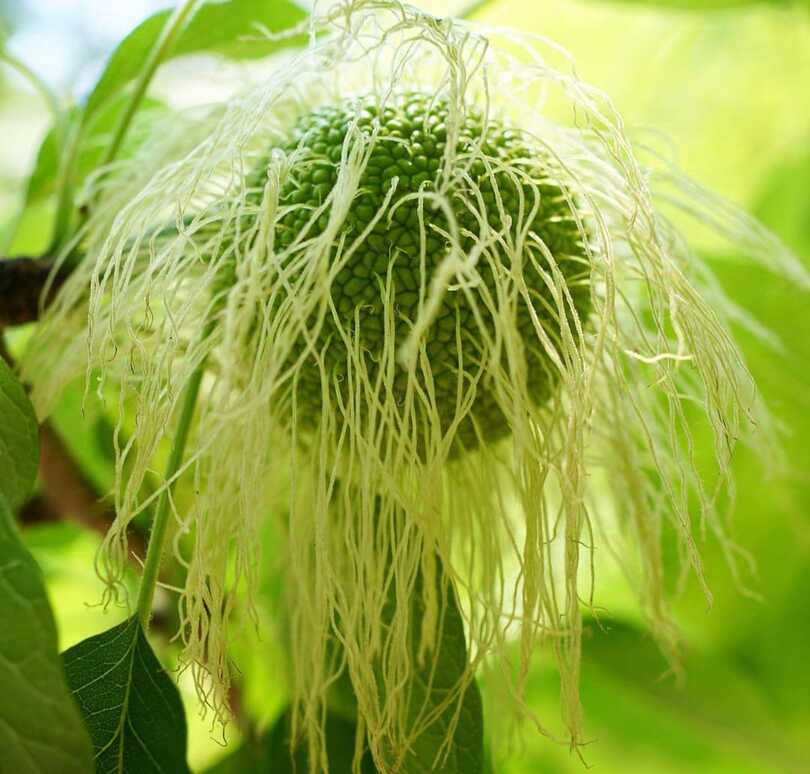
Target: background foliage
[(727, 82)]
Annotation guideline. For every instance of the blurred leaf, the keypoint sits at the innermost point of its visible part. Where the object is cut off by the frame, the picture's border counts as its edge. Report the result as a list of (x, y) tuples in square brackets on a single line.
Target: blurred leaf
[(718, 700), (770, 517), (40, 726), (220, 27), (131, 706), (50, 541), (771, 640), (44, 181), (246, 759), (66, 553), (76, 420), (639, 719), (472, 8), (46, 165), (710, 5), (782, 204), (19, 440), (29, 233)]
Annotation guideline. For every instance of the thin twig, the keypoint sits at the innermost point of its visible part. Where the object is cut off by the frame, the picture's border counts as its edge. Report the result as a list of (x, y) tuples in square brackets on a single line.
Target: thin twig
[(165, 42), (39, 85), (168, 37)]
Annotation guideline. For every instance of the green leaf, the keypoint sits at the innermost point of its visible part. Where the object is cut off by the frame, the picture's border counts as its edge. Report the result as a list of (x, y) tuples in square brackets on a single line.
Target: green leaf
[(40, 726), (245, 759), (431, 684), (29, 231), (46, 166), (131, 706), (19, 440), (231, 28), (273, 754), (340, 732), (428, 690), (43, 179)]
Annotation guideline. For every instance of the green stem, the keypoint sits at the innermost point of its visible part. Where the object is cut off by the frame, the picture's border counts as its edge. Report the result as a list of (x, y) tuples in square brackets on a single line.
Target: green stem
[(41, 87), (168, 37), (70, 136), (157, 539)]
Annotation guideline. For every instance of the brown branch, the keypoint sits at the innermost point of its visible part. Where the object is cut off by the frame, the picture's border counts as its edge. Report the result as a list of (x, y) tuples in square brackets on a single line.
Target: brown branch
[(71, 494), (22, 282), (236, 704), (38, 510)]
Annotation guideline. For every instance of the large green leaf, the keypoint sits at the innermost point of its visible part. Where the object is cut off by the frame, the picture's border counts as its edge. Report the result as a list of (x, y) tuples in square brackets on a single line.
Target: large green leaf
[(233, 28), (19, 440), (274, 755), (280, 758), (431, 684), (40, 727), (130, 705)]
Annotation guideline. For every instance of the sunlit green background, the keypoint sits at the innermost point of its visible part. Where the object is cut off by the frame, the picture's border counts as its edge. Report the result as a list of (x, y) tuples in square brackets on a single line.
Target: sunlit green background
[(729, 84)]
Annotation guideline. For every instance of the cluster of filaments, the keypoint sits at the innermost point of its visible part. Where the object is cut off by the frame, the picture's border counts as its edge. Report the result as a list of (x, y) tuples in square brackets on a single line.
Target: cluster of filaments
[(427, 316)]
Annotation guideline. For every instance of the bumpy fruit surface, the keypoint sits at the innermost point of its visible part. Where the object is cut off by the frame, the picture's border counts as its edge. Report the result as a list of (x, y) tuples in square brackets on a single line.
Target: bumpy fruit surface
[(410, 147)]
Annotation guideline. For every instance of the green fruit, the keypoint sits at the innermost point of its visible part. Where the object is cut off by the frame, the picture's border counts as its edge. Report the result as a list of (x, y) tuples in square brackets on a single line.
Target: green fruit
[(410, 147)]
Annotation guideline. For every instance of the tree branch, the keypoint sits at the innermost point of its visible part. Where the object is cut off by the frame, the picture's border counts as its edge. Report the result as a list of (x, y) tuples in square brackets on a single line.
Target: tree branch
[(69, 492), (22, 282)]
